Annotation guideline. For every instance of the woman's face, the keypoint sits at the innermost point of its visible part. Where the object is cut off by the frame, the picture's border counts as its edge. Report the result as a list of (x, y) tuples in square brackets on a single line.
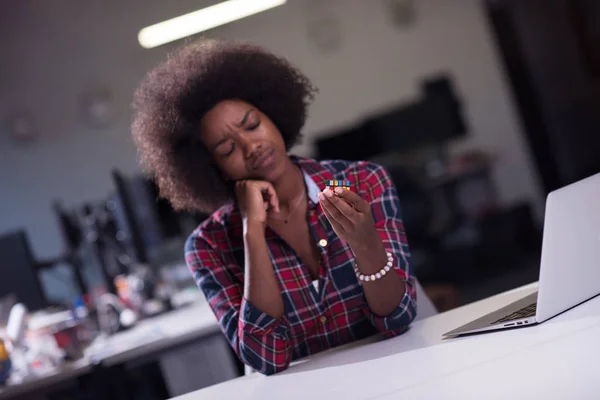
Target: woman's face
[(243, 142)]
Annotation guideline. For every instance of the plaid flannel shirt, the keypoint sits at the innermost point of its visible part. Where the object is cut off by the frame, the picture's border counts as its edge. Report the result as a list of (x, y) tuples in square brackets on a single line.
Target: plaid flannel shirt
[(314, 319)]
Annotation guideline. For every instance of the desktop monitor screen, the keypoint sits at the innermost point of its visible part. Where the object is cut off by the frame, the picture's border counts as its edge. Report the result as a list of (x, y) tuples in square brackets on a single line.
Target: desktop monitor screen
[(19, 275)]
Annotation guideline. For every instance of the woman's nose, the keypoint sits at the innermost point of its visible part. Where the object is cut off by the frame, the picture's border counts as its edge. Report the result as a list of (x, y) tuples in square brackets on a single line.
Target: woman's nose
[(250, 146)]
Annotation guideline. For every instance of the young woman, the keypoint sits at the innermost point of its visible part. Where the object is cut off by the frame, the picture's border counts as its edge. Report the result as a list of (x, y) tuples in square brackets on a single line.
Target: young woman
[(289, 266)]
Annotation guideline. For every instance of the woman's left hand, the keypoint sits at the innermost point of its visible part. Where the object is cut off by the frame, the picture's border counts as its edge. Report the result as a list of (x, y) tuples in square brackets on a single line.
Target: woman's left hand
[(350, 216)]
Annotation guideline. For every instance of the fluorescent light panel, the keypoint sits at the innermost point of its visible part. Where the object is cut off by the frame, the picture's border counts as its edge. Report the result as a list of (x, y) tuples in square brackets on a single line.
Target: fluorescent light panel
[(202, 20)]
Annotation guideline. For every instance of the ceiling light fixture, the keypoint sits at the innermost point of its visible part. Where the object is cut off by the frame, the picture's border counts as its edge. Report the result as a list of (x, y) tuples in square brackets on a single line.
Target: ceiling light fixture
[(202, 20)]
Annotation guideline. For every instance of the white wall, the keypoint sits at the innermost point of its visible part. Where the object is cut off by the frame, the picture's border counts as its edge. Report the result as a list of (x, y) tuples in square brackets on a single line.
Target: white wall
[(61, 48)]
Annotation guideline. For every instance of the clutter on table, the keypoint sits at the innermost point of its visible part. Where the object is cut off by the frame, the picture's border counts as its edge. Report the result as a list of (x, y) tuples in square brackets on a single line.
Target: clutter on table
[(5, 363)]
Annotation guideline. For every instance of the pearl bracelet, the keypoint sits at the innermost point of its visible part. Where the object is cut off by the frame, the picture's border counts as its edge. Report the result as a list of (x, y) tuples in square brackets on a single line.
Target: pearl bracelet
[(378, 275)]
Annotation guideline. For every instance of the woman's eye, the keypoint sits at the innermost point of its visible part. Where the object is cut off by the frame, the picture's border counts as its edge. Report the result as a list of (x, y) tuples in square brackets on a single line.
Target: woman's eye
[(230, 151), (254, 125)]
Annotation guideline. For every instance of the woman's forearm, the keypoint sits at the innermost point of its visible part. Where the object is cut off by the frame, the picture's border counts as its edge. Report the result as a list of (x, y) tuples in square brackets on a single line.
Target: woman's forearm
[(384, 294), (260, 285)]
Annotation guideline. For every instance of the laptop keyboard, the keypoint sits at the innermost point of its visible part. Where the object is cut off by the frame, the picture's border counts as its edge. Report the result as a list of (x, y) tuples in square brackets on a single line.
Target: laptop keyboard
[(527, 311)]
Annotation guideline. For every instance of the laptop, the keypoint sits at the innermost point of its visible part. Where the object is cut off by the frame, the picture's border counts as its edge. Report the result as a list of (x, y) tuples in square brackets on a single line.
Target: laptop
[(570, 261)]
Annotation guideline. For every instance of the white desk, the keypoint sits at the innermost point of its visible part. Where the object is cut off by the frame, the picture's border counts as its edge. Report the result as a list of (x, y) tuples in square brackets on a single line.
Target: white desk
[(155, 334), (556, 359)]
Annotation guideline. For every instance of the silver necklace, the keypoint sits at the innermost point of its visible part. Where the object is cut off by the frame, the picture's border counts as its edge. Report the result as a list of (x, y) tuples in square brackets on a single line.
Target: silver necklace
[(291, 211)]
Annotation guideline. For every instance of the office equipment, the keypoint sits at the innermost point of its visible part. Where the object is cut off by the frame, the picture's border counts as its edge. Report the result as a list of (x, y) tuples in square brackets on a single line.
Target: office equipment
[(92, 250), (17, 324), (101, 248), (72, 237), (5, 363), (431, 120), (16, 330), (127, 217), (169, 220), (113, 315), (18, 271), (350, 143), (428, 122), (569, 273), (192, 333), (6, 304), (144, 221), (441, 88), (103, 255)]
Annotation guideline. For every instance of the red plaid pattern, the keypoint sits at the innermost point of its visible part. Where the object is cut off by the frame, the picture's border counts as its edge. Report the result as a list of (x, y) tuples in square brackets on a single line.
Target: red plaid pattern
[(314, 319)]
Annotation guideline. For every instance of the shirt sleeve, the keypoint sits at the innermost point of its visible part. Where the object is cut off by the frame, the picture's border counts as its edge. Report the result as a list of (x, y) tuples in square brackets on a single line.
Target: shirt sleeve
[(259, 340), (385, 207)]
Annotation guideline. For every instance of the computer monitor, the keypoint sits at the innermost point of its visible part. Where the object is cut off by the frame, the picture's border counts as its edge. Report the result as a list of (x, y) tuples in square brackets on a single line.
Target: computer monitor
[(19, 275), (426, 122), (126, 212), (442, 89), (433, 119), (352, 144), (144, 220), (169, 220)]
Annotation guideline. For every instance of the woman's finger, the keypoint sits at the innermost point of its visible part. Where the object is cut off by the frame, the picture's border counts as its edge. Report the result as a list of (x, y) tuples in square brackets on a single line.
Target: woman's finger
[(272, 197), (333, 214), (353, 198), (341, 204), (339, 229)]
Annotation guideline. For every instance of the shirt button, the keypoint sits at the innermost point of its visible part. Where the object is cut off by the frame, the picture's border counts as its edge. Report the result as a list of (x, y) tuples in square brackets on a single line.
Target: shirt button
[(323, 319), (322, 242)]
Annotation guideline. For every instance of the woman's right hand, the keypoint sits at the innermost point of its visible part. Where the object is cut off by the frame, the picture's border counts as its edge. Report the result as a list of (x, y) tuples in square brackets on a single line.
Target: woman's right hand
[(255, 198)]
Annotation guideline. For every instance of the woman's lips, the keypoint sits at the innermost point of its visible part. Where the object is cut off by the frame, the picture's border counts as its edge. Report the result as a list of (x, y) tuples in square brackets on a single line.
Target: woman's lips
[(265, 160)]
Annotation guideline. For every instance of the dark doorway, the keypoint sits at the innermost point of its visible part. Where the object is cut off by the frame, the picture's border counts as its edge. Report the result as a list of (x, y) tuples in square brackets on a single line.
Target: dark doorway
[(551, 53)]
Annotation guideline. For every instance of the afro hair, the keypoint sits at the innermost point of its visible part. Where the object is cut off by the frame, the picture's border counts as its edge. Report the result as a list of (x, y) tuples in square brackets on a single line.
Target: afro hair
[(174, 96)]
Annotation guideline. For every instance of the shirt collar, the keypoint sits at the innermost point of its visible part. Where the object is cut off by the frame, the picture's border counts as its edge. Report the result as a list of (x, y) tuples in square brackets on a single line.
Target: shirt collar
[(311, 187), (315, 176)]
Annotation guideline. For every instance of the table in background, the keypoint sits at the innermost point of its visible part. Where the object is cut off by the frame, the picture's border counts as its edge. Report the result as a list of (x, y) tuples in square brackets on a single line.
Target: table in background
[(183, 341), (556, 359), (176, 339), (33, 388)]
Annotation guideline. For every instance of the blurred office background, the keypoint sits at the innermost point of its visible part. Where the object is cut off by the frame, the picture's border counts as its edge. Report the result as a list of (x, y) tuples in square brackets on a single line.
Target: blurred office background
[(478, 109)]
